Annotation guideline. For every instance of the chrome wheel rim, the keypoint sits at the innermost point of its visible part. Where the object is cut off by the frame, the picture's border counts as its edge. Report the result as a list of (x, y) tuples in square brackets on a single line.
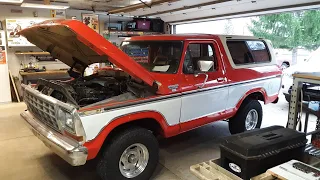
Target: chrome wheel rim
[(283, 67), (134, 160), (251, 119)]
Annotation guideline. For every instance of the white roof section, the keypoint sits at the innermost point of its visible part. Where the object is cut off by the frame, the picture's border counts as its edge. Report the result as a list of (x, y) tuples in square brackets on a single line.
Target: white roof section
[(237, 37)]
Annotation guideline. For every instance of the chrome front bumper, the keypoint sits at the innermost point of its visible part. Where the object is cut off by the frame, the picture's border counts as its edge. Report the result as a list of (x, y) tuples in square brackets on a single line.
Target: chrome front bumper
[(67, 148)]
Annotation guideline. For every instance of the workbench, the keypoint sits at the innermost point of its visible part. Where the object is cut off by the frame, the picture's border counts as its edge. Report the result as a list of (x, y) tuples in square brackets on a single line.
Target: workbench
[(298, 81), (296, 107), (29, 77)]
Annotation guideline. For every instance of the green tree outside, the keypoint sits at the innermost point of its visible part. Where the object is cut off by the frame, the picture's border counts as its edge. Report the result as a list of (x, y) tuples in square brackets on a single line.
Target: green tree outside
[(290, 30)]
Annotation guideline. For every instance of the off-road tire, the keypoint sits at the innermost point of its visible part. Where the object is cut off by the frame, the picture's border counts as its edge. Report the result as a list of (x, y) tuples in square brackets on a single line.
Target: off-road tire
[(284, 66), (237, 122), (108, 167), (288, 98)]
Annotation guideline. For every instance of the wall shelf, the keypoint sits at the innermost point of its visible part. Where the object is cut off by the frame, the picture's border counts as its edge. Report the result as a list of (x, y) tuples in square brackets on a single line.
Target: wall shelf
[(129, 33), (32, 53)]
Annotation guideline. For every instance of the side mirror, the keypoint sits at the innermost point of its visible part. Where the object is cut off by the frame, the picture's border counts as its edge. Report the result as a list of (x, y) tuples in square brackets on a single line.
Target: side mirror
[(204, 66)]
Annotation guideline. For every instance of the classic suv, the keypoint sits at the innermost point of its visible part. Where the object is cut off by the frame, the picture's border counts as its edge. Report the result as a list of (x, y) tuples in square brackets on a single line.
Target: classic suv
[(163, 86)]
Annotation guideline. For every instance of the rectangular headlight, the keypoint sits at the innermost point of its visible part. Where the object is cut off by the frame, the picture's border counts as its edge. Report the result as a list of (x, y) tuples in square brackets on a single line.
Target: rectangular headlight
[(62, 116), (72, 125), (69, 122), (66, 120)]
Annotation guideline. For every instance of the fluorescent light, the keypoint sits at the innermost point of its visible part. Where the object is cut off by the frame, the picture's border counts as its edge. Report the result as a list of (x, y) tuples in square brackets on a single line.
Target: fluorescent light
[(11, 1), (52, 5)]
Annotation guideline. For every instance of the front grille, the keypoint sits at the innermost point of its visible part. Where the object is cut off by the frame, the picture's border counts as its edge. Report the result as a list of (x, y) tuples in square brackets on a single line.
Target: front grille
[(42, 109)]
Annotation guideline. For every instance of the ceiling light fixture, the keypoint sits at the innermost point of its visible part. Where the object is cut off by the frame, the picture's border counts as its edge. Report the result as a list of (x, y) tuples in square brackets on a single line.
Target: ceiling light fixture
[(11, 1), (52, 5)]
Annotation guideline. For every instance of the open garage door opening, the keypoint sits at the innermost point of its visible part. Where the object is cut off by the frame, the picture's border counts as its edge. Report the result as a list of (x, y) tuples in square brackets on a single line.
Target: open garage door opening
[(294, 35)]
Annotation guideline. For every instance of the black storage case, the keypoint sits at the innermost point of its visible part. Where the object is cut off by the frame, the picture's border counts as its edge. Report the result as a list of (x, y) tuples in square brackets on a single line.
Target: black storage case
[(157, 25), (252, 153)]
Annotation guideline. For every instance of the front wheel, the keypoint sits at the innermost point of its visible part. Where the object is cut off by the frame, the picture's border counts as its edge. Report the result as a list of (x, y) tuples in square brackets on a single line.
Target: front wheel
[(248, 117), (132, 154)]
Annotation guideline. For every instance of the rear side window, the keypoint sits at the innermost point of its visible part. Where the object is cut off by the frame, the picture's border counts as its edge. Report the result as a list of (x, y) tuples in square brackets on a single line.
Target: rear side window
[(247, 52)]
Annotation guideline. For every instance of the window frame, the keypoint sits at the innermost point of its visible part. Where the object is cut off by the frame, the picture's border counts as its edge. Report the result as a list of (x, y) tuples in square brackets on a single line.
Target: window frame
[(210, 43), (181, 55), (251, 63)]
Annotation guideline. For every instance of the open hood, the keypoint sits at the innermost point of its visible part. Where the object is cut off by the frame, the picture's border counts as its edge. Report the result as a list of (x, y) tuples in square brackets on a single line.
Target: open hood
[(78, 46)]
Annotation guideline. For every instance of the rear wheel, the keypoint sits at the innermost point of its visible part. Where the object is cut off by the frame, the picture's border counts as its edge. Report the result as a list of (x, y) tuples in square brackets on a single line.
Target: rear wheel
[(288, 98), (248, 117), (132, 154), (284, 66)]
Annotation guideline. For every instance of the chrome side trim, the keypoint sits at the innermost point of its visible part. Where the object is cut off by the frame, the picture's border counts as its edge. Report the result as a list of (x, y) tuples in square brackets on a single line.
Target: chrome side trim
[(177, 95), (168, 106), (68, 149)]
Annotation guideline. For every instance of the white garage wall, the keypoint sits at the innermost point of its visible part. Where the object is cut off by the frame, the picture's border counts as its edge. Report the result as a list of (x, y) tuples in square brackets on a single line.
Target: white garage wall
[(15, 60)]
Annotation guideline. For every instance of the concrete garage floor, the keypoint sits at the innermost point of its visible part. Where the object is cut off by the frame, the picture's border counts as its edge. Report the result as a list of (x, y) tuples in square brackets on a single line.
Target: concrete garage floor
[(23, 156)]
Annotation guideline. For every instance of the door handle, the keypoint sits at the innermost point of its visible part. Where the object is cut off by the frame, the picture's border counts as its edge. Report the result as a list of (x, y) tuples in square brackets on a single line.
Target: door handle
[(220, 79)]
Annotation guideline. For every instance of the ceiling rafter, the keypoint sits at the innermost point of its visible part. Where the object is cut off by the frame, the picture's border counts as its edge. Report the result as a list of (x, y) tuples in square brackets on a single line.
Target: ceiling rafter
[(138, 6), (148, 5), (188, 7), (246, 13)]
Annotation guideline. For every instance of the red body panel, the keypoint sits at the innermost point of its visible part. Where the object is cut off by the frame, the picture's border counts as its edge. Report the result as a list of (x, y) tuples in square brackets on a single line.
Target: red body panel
[(95, 145), (89, 47), (188, 83), (224, 74)]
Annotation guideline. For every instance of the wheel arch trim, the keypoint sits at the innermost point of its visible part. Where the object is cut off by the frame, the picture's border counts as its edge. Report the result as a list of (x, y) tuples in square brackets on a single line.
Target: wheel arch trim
[(95, 144), (262, 91)]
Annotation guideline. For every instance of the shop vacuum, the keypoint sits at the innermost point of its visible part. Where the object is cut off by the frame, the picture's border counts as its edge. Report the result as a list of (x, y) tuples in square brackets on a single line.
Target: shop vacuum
[(254, 152)]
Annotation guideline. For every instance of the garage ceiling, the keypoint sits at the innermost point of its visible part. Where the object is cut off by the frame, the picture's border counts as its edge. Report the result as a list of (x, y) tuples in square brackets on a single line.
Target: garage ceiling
[(101, 5), (97, 5), (186, 11), (204, 10)]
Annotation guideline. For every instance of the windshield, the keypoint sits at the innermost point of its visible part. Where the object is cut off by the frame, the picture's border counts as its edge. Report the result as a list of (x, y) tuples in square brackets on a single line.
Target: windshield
[(155, 56)]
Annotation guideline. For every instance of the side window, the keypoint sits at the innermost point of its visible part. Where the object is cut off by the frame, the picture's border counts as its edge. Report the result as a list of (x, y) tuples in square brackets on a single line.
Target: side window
[(246, 52), (196, 52), (259, 51), (210, 50)]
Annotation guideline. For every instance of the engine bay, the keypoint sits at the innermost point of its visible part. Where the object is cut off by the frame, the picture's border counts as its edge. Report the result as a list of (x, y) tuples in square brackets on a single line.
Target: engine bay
[(84, 91)]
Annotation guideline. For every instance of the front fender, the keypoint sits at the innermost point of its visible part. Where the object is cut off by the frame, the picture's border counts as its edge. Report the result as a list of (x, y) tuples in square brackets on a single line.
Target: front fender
[(96, 143)]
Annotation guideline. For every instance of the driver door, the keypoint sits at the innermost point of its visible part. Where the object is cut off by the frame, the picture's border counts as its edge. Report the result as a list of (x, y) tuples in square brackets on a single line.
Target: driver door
[(205, 93)]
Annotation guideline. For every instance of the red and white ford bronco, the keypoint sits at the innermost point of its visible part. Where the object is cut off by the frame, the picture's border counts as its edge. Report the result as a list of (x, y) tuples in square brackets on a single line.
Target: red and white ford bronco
[(163, 85)]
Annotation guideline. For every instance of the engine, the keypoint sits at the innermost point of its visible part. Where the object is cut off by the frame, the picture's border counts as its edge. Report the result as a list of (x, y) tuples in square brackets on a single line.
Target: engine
[(97, 89), (83, 90)]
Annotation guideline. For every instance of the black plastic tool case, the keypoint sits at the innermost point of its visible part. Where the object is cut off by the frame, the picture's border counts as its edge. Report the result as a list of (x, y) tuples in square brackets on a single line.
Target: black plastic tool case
[(252, 153)]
